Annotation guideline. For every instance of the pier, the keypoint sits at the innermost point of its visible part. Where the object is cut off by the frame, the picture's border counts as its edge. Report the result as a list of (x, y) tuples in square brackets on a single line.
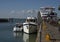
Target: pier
[(48, 33), (47, 29)]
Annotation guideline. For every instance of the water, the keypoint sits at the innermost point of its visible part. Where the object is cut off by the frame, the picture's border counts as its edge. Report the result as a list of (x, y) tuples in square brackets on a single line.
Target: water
[(7, 35)]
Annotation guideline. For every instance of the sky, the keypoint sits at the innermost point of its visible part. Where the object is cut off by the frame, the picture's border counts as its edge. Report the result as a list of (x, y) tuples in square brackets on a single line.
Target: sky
[(24, 8)]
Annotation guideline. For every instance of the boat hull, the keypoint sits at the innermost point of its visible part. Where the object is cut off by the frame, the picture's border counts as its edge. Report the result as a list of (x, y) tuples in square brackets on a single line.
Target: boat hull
[(30, 28), (17, 29)]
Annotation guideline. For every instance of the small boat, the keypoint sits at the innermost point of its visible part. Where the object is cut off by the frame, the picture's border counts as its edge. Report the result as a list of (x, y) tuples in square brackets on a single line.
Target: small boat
[(18, 27), (30, 26)]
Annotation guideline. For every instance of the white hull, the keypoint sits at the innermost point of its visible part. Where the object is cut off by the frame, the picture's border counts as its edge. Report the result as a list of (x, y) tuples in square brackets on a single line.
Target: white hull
[(16, 29), (29, 27)]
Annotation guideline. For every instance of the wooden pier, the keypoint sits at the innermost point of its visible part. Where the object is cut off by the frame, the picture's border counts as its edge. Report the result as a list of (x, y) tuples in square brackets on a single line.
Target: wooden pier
[(48, 33)]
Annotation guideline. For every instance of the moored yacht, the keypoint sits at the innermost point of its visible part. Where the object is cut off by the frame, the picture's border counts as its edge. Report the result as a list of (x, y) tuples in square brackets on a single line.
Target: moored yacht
[(30, 26), (18, 27), (48, 13)]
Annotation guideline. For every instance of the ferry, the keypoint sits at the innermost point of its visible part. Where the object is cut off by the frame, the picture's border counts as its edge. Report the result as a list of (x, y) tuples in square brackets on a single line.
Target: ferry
[(30, 26), (48, 13), (18, 27)]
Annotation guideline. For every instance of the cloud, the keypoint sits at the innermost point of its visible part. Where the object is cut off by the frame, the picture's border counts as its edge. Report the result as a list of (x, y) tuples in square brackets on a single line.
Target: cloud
[(13, 11), (23, 11), (30, 11)]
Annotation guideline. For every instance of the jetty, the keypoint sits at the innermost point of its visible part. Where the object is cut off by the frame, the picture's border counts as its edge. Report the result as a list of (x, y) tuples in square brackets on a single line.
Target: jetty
[(47, 31)]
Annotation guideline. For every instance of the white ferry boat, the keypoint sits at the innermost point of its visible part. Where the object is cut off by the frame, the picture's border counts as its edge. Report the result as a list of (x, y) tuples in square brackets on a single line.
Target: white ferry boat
[(46, 12), (30, 26), (18, 27)]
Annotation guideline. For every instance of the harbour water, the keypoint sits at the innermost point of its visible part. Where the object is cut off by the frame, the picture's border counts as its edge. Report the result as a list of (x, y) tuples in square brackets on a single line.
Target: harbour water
[(7, 35)]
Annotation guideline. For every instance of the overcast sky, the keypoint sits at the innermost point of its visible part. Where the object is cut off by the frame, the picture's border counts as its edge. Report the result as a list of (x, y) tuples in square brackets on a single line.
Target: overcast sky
[(24, 8)]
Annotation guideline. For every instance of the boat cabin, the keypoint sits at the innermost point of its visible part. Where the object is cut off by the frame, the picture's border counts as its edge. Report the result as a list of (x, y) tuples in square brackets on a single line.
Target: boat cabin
[(31, 19), (19, 25)]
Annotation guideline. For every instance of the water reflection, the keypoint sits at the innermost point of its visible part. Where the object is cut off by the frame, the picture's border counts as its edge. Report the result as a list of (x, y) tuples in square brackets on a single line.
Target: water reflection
[(17, 34), (25, 37), (29, 38)]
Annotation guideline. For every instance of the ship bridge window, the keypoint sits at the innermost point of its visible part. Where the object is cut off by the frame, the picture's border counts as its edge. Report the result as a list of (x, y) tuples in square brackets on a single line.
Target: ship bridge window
[(52, 13), (32, 20), (18, 26)]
